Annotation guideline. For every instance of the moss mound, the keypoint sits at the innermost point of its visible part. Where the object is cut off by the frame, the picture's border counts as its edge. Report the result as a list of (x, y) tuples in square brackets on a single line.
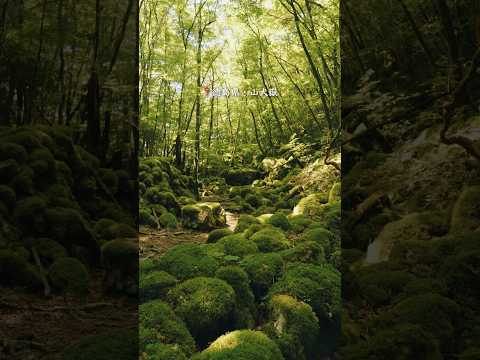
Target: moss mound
[(279, 220), (237, 245), (321, 236), (244, 222), (163, 352), (168, 221), (155, 285), (317, 285), (159, 324), (241, 344), (263, 270), (217, 234), (295, 327), (70, 276), (206, 305), (49, 250), (270, 240), (120, 259), (186, 261), (16, 271), (307, 252), (117, 344)]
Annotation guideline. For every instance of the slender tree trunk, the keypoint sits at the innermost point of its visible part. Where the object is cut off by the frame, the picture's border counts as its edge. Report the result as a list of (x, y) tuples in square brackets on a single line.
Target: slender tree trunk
[(198, 120)]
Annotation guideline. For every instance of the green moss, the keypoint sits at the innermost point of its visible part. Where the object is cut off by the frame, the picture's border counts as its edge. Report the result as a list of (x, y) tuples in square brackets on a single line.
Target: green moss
[(206, 305), (204, 216), (457, 273), (16, 271), (217, 234), (154, 195), (241, 344), (110, 179), (155, 285), (168, 220), (120, 259), (245, 310), (7, 197), (279, 220), (237, 245), (379, 287), (12, 151), (29, 214), (101, 226), (263, 270), (116, 231), (472, 353), (42, 162), (299, 223), (163, 352), (49, 250), (320, 236), (318, 286), (253, 200), (23, 180), (244, 222), (270, 240), (187, 261), (466, 212), (241, 176), (70, 276), (308, 252), (253, 229), (435, 313), (115, 344), (293, 322), (159, 324), (405, 341)]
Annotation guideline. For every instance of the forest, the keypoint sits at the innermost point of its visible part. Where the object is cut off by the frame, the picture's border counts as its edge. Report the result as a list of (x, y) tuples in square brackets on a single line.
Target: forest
[(239, 179), (410, 179), (68, 171)]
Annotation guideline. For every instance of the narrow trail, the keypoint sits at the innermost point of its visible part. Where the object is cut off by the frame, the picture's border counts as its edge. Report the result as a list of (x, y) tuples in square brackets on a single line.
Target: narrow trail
[(155, 242)]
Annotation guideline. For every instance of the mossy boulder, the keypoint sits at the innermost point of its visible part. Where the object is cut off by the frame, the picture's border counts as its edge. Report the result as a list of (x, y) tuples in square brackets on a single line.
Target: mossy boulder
[(263, 270), (168, 220), (69, 276), (116, 344), (308, 252), (321, 236), (120, 259), (9, 150), (203, 216), (48, 250), (8, 197), (317, 285), (309, 205), (163, 352), (279, 220), (155, 285), (186, 261), (299, 223), (466, 211), (294, 325), (270, 239), (242, 176), (217, 234), (118, 230), (145, 217), (238, 245), (159, 324), (241, 344), (16, 271), (154, 195), (29, 215), (335, 193), (206, 305), (237, 278), (245, 221)]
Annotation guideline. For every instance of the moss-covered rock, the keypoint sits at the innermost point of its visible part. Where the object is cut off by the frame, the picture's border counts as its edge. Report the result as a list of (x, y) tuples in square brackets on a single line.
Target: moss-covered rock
[(270, 239), (110, 179), (7, 197), (120, 259), (245, 221), (279, 220), (206, 305), (69, 276), (29, 215), (238, 245), (159, 324), (155, 285), (299, 223), (466, 212), (237, 278), (263, 270), (16, 271), (187, 261), (295, 327), (308, 252), (317, 285), (49, 250), (241, 176), (168, 220), (115, 344), (145, 217), (241, 344), (116, 230), (13, 151), (217, 234), (309, 205), (163, 352), (204, 216), (320, 236)]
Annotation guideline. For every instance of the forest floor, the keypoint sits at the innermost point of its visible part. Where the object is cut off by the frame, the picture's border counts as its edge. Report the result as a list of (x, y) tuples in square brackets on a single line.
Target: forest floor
[(154, 243), (39, 328)]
